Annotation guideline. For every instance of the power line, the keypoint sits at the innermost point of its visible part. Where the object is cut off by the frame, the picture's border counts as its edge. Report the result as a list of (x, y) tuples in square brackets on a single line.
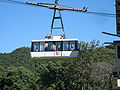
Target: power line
[(12, 1), (101, 14)]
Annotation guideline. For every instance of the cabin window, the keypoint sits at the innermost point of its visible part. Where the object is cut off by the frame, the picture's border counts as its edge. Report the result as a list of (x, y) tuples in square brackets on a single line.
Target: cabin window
[(118, 3), (72, 46), (58, 46), (54, 46), (48, 46), (42, 46), (36, 47), (118, 51), (65, 46), (77, 46)]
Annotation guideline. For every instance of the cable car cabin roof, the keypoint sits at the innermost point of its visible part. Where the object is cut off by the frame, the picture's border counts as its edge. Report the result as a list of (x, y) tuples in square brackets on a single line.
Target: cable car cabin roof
[(117, 42), (55, 40)]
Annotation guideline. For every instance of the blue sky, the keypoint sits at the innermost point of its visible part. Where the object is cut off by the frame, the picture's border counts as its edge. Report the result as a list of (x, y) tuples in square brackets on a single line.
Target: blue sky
[(19, 24)]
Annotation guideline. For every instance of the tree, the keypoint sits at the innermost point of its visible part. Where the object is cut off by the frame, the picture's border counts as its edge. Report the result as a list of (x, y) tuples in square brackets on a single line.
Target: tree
[(18, 78), (91, 71)]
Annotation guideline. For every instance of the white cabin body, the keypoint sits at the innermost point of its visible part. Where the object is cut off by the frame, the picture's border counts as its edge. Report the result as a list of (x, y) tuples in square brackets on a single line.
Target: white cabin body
[(55, 47)]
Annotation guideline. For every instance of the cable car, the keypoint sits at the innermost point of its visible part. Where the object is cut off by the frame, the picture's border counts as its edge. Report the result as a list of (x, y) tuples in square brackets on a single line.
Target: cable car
[(55, 47), (58, 45), (116, 44), (116, 68)]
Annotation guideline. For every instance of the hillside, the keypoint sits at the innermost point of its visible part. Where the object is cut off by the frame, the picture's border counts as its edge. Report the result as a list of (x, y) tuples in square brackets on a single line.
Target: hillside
[(91, 71)]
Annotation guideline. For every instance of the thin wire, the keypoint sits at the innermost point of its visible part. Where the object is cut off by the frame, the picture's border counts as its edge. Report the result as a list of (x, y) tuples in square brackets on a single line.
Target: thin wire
[(88, 12), (12, 1), (101, 14)]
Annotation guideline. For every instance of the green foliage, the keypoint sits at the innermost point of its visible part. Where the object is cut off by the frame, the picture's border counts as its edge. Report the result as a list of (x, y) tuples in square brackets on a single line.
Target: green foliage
[(91, 71), (2, 72), (18, 78), (93, 52)]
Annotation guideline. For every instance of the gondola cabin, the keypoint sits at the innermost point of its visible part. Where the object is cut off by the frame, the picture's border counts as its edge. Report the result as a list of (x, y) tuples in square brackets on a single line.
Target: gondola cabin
[(55, 47), (116, 69)]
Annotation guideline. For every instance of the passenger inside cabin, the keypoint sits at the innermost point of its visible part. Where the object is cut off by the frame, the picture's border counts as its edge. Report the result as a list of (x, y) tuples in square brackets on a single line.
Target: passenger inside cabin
[(53, 47), (46, 46), (36, 50), (58, 46), (36, 47)]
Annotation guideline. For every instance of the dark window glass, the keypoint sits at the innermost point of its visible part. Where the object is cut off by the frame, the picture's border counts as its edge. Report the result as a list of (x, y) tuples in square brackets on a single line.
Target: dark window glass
[(65, 46), (35, 46), (54, 46), (118, 3), (72, 45), (48, 46), (58, 46), (118, 51), (32, 47), (77, 46), (42, 46), (115, 74)]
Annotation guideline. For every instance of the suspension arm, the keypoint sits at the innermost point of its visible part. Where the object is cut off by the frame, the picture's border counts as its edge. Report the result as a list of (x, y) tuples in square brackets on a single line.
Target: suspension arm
[(56, 6)]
